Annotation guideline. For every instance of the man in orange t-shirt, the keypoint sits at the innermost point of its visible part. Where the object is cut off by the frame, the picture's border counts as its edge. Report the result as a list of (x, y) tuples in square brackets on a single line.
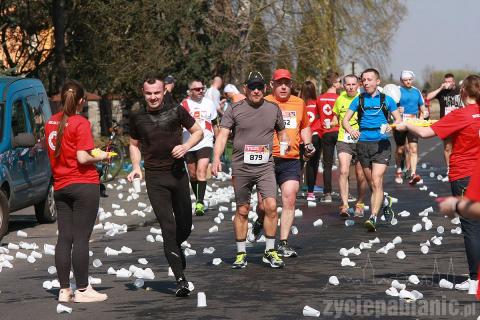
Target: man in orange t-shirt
[(287, 161)]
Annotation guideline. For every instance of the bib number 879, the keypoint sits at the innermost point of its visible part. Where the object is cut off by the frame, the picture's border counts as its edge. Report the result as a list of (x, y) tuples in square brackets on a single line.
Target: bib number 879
[(254, 157)]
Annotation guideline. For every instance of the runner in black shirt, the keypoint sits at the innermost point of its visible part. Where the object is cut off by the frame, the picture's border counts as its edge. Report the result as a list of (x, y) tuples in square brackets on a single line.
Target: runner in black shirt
[(448, 96), (156, 133)]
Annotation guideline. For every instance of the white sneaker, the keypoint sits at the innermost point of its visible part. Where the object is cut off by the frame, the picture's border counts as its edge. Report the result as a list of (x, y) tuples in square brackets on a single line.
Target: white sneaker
[(89, 295), (463, 286), (473, 287)]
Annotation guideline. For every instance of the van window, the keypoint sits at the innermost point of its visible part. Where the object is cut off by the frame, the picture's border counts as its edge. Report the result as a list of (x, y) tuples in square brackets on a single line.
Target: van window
[(36, 117), (19, 123)]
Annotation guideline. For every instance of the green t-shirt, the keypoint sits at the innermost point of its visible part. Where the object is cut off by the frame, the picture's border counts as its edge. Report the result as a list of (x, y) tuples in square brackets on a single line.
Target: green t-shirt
[(341, 106)]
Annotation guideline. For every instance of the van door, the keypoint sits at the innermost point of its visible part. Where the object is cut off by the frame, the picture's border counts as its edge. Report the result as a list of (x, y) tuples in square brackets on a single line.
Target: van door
[(40, 167), (20, 164)]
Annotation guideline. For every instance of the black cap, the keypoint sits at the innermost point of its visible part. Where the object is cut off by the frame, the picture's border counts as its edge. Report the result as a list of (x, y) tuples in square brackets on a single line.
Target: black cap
[(255, 77), (169, 79)]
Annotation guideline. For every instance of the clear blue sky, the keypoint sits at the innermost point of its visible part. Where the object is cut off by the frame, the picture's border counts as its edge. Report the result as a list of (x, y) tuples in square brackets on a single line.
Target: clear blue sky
[(440, 33)]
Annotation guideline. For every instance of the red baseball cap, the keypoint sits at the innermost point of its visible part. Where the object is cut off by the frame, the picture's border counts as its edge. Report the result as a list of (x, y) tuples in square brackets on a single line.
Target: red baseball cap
[(281, 74)]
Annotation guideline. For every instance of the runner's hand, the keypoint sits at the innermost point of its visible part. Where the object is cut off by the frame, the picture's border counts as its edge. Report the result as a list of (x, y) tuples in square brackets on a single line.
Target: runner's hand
[(216, 167), (179, 151), (355, 134), (309, 151), (447, 206), (136, 173), (402, 126)]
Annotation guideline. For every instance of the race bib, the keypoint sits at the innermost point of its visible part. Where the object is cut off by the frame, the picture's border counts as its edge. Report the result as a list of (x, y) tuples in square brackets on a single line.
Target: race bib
[(347, 138), (290, 119), (256, 154), (449, 109)]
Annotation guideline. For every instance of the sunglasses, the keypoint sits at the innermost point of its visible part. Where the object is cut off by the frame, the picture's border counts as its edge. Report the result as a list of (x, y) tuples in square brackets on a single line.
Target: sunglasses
[(198, 89), (281, 82), (256, 86)]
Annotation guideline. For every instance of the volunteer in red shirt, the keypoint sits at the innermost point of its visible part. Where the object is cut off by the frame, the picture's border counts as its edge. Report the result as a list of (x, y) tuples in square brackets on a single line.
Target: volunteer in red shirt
[(309, 94), (462, 126), (468, 206), (329, 133), (77, 196)]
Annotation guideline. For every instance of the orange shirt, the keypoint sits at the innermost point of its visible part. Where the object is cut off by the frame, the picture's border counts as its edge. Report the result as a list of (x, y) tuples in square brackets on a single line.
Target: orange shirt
[(295, 117)]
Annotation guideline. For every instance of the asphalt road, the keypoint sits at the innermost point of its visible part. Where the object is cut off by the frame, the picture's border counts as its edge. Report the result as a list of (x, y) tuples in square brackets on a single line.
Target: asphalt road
[(258, 292)]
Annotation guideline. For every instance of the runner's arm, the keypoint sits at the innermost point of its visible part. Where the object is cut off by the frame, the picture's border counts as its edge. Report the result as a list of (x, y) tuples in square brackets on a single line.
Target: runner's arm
[(422, 132), (306, 135), (434, 93), (218, 149), (135, 157), (346, 124), (461, 206), (196, 135)]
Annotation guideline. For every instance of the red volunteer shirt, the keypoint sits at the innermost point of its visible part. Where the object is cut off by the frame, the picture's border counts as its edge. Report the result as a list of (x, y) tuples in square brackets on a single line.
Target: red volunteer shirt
[(325, 103), (76, 136), (473, 189), (313, 116), (462, 125)]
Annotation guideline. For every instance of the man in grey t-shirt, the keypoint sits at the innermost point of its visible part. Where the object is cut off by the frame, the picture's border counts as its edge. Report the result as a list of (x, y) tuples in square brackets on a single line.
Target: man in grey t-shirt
[(252, 122)]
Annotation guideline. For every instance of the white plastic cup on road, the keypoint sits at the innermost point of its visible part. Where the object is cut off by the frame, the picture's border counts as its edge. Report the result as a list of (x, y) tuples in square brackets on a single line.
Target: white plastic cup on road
[(139, 283), (444, 283), (97, 263), (397, 240), (201, 300), (216, 261), (142, 261), (294, 230), (47, 285), (123, 273), (312, 204), (333, 280), (417, 227), (61, 309), (213, 229), (21, 255), (52, 270), (318, 223), (31, 259), (22, 234), (413, 279), (440, 229), (283, 147), (349, 223), (424, 249), (13, 246), (401, 255), (94, 281), (398, 285), (310, 312), (137, 185)]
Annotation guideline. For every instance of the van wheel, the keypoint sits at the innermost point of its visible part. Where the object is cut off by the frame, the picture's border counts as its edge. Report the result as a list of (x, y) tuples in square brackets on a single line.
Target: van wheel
[(4, 214), (45, 211)]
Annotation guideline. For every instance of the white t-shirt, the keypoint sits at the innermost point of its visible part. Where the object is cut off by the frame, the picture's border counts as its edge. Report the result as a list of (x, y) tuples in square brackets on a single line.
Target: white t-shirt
[(204, 113)]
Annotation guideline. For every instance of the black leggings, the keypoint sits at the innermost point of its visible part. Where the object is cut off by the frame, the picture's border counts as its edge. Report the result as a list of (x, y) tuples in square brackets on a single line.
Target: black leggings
[(77, 208), (170, 199), (329, 140), (311, 168), (470, 230)]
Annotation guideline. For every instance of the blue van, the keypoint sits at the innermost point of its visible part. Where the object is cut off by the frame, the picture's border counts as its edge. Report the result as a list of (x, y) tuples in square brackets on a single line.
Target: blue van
[(25, 174)]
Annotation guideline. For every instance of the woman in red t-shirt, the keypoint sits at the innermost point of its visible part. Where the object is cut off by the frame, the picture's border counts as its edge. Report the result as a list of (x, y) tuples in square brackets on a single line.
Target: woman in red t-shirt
[(463, 126), (77, 196), (309, 94)]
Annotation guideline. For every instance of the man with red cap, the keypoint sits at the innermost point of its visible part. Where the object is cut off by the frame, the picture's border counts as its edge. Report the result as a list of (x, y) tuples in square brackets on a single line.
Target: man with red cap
[(287, 161)]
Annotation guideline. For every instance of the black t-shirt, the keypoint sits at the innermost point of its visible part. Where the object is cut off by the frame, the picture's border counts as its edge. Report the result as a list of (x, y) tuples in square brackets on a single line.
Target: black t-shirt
[(158, 133), (449, 99)]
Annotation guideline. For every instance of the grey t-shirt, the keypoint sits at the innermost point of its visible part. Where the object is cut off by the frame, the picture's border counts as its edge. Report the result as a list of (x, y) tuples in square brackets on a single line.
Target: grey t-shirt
[(252, 129)]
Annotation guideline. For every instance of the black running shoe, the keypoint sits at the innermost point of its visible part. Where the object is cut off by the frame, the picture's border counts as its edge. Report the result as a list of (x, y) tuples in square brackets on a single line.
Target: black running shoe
[(183, 289)]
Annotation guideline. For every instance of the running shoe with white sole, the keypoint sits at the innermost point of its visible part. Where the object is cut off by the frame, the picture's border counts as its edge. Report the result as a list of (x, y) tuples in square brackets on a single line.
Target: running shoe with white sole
[(240, 261), (183, 288), (199, 209), (371, 224), (464, 286), (286, 251), (398, 177), (414, 179), (65, 295), (327, 198), (311, 196), (272, 258)]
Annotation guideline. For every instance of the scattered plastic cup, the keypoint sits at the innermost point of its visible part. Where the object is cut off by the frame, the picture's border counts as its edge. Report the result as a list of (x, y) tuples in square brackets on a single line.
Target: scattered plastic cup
[(137, 185), (201, 300)]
